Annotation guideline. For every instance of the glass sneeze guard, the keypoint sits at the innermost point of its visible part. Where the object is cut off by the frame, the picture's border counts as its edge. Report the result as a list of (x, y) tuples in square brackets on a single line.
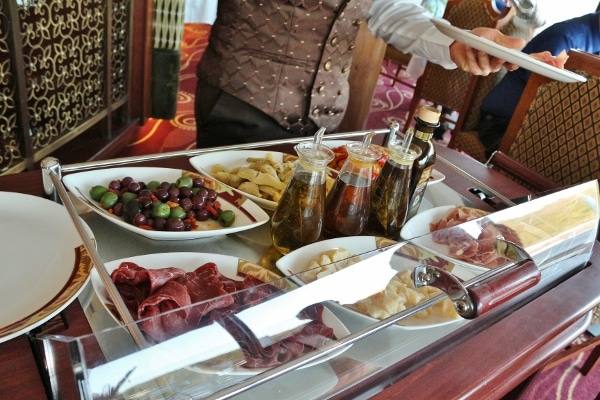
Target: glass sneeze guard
[(557, 232)]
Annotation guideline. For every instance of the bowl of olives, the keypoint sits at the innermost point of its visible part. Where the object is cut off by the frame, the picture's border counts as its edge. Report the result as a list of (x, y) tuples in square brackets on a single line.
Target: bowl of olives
[(165, 203)]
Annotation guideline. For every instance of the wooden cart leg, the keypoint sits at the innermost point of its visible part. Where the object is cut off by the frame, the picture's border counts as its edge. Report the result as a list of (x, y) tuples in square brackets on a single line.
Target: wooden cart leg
[(591, 361)]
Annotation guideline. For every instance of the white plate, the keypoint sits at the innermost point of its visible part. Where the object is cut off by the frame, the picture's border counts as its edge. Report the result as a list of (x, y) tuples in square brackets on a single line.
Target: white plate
[(436, 176), (247, 214), (419, 224), (232, 159), (511, 55), (417, 230), (297, 260), (228, 266), (36, 285)]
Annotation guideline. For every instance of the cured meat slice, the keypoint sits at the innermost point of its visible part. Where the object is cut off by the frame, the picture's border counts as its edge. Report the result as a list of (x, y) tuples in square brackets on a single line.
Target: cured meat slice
[(130, 273), (169, 302), (312, 336), (133, 274), (463, 246), (208, 287), (171, 296)]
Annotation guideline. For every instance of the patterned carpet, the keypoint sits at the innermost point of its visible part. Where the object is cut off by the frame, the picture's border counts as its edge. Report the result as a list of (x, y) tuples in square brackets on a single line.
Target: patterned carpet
[(390, 103)]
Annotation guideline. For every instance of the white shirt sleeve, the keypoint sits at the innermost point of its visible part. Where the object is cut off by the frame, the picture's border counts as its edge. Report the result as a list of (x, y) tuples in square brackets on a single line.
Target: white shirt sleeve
[(406, 25)]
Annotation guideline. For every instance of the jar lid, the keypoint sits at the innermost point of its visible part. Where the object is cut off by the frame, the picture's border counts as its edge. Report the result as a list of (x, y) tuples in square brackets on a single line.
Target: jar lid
[(403, 155), (429, 114), (364, 153), (317, 154)]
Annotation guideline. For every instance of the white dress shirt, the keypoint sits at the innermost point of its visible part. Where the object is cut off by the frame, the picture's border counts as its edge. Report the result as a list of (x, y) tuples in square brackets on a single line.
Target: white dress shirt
[(406, 25)]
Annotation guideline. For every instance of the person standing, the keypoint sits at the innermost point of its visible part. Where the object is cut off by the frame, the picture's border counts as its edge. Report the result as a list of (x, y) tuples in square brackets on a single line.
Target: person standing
[(279, 69)]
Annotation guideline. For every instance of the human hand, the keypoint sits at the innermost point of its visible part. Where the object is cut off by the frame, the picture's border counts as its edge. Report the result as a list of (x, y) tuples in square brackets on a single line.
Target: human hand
[(547, 57), (478, 62)]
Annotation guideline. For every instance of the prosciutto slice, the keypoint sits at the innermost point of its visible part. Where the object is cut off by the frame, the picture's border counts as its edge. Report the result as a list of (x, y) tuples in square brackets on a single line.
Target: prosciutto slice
[(463, 246)]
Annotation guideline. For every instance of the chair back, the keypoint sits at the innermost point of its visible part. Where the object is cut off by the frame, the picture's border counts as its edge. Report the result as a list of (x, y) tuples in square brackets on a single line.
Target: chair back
[(554, 130), (453, 89)]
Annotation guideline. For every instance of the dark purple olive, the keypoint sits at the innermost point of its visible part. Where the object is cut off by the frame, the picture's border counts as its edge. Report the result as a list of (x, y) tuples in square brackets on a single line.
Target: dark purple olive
[(212, 195), (175, 225), (174, 199), (185, 192), (160, 224), (115, 185), (145, 201), (198, 202), (126, 181), (139, 219), (118, 209), (202, 214), (134, 187), (162, 195), (174, 191), (186, 203), (165, 185), (198, 182), (145, 193), (203, 192)]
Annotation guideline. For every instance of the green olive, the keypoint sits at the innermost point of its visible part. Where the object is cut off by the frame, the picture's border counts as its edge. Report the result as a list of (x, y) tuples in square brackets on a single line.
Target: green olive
[(226, 218), (108, 200), (152, 185), (97, 192), (177, 213), (185, 181), (125, 197), (160, 210)]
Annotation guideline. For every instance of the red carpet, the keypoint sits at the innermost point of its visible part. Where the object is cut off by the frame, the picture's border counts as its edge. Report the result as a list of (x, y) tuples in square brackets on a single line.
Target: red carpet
[(160, 136), (389, 103)]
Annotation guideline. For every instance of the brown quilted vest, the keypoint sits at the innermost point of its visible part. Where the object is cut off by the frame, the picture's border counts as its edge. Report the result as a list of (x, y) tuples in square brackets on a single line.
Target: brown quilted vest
[(301, 51)]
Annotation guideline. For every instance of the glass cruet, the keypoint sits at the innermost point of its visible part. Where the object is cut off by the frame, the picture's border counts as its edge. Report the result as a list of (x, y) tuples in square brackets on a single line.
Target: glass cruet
[(298, 218), (348, 202), (390, 196)]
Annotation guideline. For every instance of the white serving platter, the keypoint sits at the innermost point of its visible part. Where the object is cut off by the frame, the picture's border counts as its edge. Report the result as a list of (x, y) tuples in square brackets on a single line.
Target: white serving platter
[(247, 214), (516, 57)]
